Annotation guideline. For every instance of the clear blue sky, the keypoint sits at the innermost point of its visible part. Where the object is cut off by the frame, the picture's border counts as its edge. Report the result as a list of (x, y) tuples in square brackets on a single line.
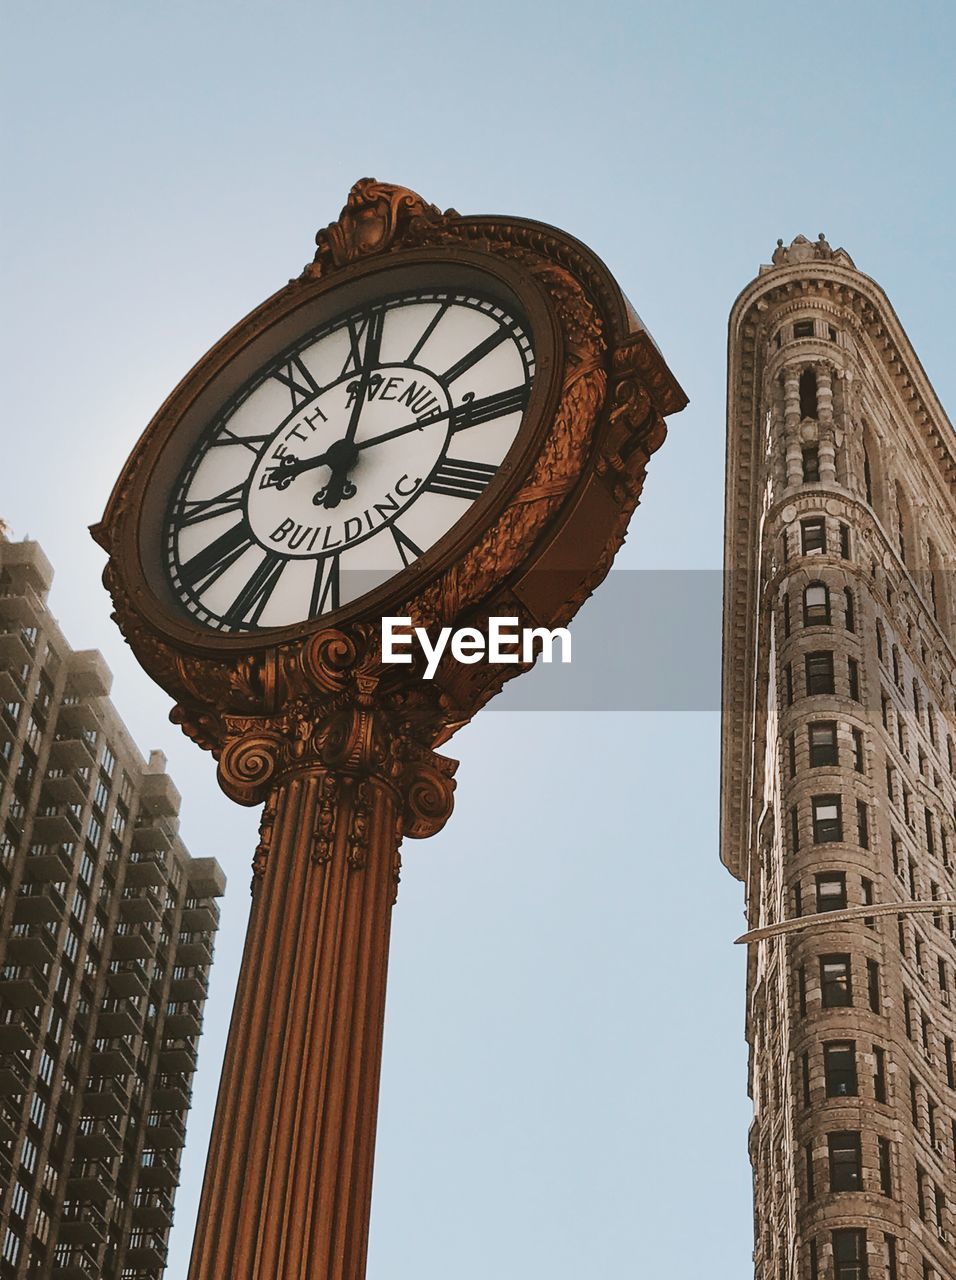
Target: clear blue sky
[(563, 1091)]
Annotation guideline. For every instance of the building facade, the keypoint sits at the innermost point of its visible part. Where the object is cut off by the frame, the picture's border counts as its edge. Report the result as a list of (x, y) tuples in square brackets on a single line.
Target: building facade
[(839, 772), (106, 935)]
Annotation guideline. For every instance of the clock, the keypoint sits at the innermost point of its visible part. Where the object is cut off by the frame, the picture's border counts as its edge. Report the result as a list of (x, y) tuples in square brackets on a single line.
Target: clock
[(443, 418), (347, 457)]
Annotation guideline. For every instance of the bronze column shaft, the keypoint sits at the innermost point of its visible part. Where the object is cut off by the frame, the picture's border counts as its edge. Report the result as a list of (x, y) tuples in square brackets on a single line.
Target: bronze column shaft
[(287, 1191)]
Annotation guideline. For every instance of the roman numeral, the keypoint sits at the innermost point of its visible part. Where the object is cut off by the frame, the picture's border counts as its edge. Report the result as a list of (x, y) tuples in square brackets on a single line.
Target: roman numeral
[(459, 479), (405, 545), (229, 437), (326, 588), (208, 508), (212, 562), (472, 412), (362, 358), (428, 331), (254, 596), (302, 386), (474, 355)]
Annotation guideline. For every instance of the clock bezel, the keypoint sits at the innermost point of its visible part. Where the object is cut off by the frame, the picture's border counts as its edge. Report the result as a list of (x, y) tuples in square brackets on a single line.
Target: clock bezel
[(261, 337)]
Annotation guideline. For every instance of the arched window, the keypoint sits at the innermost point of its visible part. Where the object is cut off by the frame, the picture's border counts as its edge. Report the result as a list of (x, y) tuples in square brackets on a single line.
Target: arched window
[(816, 604), (808, 393), (849, 612)]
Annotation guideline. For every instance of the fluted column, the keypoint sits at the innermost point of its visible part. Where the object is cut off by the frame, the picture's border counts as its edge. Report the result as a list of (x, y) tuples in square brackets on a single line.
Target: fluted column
[(288, 1184)]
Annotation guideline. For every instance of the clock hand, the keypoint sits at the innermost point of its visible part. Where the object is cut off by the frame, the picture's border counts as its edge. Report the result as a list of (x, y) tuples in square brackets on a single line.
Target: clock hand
[(470, 413)]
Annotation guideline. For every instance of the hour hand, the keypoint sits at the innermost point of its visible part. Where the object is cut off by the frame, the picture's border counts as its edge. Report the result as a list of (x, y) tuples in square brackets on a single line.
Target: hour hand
[(284, 472)]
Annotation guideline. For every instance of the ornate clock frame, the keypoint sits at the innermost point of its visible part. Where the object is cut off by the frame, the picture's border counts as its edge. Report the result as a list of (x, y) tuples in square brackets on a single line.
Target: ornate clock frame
[(339, 746)]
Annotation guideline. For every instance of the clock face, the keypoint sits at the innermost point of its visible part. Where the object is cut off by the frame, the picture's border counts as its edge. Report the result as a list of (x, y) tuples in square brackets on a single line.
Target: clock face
[(341, 463)]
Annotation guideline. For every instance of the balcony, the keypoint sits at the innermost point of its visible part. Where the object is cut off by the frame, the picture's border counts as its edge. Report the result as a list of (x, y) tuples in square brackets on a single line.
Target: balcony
[(170, 1097), (151, 839), (77, 718), (110, 1098), (165, 1132), (146, 1255), (193, 987), (36, 947), (177, 1057), (61, 827), (118, 1060), (53, 866), (159, 797), (14, 1077), (163, 1172), (112, 1023), (182, 1025), (200, 919), (47, 907), (88, 1228), (193, 950), (146, 873), (101, 1142), (62, 789), (10, 690), (136, 945), (78, 1269), (140, 907), (90, 1184), (158, 1215), (87, 674), (28, 566), (13, 652), (128, 979), (19, 1033), (8, 1131), (22, 993), (206, 878), (69, 751)]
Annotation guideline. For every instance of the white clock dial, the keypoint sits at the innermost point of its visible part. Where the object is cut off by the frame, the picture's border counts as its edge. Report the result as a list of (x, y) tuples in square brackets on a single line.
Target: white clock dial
[(343, 462)]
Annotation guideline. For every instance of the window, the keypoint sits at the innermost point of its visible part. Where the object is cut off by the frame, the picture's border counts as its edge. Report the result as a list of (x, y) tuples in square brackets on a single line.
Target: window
[(950, 1064), (862, 825), (839, 1066), (808, 388), (805, 1065), (813, 536), (811, 464), (849, 610), (803, 329), (921, 1192), (866, 887), (808, 1155), (819, 670), (802, 990), (823, 743), (831, 333), (792, 754), (816, 605), (835, 984), (853, 678), (873, 985), (889, 1256), (845, 541), (831, 891), (814, 1261), (858, 756), (794, 829), (879, 1073), (786, 613), (846, 1170), (788, 683), (880, 641), (886, 1177), (897, 673), (827, 819)]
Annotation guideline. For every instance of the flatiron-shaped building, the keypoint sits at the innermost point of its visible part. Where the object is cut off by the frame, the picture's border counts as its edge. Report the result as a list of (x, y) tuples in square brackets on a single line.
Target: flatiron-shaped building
[(839, 772)]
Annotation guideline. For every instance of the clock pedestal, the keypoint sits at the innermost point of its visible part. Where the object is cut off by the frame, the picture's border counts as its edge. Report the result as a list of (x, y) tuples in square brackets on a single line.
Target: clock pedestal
[(287, 1192)]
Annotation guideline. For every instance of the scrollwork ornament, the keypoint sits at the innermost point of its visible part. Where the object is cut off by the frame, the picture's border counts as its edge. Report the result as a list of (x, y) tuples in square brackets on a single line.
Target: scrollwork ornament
[(376, 218), (359, 826), (429, 792), (323, 833), (249, 765)]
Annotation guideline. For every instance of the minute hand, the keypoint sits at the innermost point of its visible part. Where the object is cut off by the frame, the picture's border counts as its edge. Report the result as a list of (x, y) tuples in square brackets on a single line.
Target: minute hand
[(468, 414)]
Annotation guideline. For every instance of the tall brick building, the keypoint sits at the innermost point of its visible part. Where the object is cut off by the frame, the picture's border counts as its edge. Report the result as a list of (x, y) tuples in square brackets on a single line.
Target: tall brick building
[(106, 934), (839, 772)]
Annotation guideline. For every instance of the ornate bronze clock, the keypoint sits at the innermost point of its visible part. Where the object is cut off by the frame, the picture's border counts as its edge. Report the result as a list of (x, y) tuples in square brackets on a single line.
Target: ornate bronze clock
[(445, 418)]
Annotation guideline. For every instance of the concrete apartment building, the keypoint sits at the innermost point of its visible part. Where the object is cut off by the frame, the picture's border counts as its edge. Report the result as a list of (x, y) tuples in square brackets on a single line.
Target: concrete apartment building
[(839, 772), (106, 934)]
